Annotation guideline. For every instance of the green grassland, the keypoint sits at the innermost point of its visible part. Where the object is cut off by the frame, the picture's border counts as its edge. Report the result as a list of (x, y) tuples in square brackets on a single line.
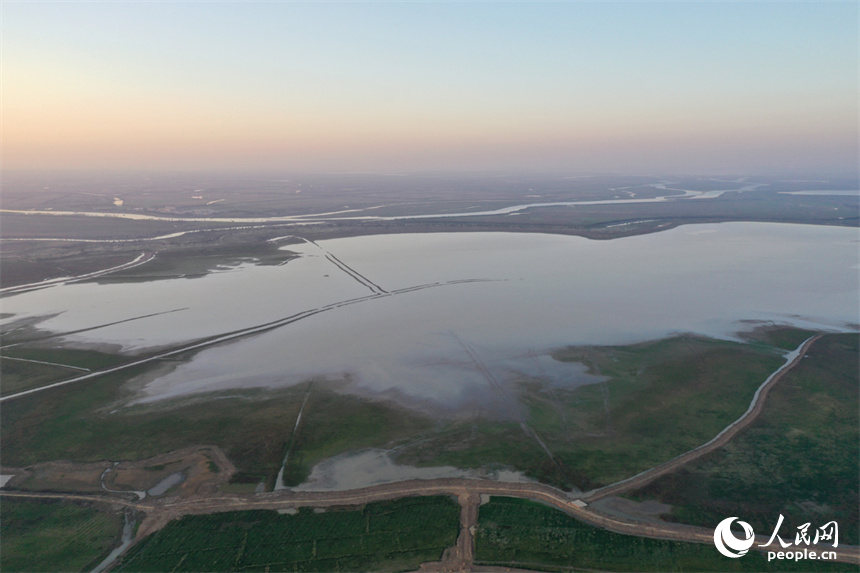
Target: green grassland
[(384, 536), (18, 376), (55, 536), (661, 398), (785, 338), (78, 423), (332, 424), (527, 535), (799, 459)]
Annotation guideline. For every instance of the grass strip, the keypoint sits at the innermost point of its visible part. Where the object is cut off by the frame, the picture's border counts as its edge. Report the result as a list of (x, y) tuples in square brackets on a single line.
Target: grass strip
[(383, 536), (528, 535)]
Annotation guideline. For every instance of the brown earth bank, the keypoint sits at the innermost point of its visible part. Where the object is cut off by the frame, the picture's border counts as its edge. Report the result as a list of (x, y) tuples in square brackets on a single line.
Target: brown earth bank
[(204, 470)]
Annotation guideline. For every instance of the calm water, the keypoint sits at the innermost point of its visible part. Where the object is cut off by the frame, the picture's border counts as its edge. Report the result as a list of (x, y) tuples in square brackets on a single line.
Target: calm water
[(447, 344)]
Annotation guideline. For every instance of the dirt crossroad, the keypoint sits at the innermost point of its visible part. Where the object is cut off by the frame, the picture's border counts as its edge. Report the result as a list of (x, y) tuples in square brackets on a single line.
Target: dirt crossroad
[(468, 492)]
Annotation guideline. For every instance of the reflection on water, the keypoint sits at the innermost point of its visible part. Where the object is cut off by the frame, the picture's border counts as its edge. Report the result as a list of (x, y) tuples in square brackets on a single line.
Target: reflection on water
[(229, 299), (469, 344)]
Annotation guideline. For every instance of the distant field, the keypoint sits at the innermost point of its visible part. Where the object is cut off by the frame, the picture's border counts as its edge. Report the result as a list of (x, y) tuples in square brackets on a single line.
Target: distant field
[(527, 535), (385, 536), (785, 338), (55, 536), (194, 263), (344, 195), (799, 459)]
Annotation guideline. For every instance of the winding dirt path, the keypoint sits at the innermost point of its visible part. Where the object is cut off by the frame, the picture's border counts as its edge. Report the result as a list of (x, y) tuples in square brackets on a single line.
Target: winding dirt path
[(468, 491), (720, 440)]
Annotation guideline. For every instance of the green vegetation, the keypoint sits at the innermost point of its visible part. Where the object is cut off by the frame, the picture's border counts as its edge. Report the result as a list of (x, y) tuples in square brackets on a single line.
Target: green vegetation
[(385, 536), (661, 398), (77, 423), (91, 359), (19, 375), (528, 535), (332, 424), (55, 536), (489, 444), (799, 459), (780, 337)]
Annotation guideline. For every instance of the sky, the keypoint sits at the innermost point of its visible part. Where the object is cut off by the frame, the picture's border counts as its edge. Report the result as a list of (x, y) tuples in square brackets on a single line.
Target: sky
[(628, 87)]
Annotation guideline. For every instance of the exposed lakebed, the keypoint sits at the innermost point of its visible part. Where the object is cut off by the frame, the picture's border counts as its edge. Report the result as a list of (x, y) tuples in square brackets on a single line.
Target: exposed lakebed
[(443, 320)]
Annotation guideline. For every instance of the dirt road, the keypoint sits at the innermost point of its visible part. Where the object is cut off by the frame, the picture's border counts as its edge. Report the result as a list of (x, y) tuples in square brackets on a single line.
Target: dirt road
[(468, 492), (721, 439)]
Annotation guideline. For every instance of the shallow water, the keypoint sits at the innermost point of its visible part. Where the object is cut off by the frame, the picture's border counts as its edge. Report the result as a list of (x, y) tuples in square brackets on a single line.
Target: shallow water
[(455, 344), (229, 299), (374, 466), (166, 484), (840, 192), (125, 541)]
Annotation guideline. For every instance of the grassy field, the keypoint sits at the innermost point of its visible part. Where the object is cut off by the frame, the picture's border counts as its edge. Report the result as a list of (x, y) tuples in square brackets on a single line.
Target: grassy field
[(359, 424), (661, 398), (527, 535), (785, 338), (55, 536), (799, 459), (385, 536), (19, 375), (77, 423)]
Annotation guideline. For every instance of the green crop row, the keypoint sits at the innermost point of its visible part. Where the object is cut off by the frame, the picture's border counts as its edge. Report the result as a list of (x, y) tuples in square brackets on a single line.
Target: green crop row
[(391, 535), (55, 536), (527, 535)]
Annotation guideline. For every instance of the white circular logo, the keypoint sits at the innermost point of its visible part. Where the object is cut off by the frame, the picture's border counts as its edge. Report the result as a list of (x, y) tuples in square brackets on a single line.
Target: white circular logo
[(726, 541)]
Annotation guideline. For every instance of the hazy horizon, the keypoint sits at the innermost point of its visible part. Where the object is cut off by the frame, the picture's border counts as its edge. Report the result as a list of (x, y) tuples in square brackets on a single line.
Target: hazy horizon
[(644, 88)]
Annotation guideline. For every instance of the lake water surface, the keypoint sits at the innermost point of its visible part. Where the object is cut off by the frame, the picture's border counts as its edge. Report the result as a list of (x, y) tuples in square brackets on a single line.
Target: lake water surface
[(491, 308)]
